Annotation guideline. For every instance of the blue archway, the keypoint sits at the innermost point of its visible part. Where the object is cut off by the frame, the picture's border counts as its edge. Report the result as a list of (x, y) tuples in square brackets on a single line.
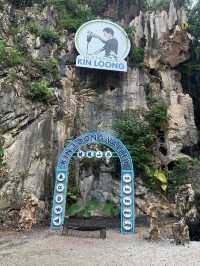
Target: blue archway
[(127, 179)]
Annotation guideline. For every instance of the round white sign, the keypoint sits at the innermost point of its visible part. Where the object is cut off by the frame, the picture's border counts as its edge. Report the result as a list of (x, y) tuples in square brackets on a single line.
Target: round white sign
[(127, 189), (59, 198), (102, 39), (61, 177), (127, 178), (127, 213), (127, 201), (58, 209), (57, 221), (127, 225), (99, 154), (60, 188)]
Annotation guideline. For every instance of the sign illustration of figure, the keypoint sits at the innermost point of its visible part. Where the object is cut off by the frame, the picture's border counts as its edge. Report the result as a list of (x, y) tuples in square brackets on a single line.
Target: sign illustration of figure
[(110, 43), (102, 45)]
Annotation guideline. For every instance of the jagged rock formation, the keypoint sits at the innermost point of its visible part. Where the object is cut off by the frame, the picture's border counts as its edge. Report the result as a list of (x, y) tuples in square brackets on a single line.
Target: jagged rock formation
[(187, 211), (33, 133), (27, 214), (166, 46)]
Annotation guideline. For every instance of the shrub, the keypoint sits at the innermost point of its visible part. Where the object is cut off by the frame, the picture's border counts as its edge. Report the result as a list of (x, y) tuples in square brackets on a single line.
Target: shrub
[(50, 66), (50, 36), (34, 28), (40, 91), (14, 57), (84, 211), (71, 14), (109, 209), (178, 176), (97, 6), (10, 56), (138, 55), (3, 53), (2, 163), (130, 30), (139, 133), (136, 133), (78, 210), (157, 115)]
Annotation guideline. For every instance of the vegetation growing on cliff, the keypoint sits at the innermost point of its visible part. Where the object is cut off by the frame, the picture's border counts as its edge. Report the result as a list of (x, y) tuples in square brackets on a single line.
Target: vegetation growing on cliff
[(139, 131), (40, 91), (1, 157), (72, 14), (10, 56), (136, 133)]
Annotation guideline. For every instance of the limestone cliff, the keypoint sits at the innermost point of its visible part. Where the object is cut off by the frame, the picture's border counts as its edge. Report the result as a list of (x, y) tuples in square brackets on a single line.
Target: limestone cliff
[(33, 133)]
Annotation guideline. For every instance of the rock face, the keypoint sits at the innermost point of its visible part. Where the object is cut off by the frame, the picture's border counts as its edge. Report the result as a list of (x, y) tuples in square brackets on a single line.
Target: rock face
[(33, 133), (187, 206), (182, 131), (165, 42), (27, 214)]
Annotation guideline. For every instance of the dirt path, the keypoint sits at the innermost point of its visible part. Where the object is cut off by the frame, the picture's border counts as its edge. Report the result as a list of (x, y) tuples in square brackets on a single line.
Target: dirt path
[(41, 247)]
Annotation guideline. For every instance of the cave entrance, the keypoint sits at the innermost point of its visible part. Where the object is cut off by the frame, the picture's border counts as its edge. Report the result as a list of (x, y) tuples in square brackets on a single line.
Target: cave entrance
[(127, 196)]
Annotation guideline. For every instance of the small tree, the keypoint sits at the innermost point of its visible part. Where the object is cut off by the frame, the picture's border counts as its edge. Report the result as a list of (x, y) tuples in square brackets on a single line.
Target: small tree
[(136, 133)]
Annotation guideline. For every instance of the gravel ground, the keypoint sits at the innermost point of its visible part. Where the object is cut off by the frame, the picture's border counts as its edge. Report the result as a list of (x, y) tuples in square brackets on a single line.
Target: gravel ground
[(42, 247)]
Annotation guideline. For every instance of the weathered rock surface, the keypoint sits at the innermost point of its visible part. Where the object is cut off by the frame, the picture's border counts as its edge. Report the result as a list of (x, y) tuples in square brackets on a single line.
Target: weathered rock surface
[(165, 42), (188, 213), (33, 133)]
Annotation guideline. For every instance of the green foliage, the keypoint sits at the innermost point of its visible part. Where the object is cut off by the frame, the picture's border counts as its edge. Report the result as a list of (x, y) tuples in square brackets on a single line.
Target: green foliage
[(189, 68), (14, 57), (130, 31), (74, 210), (159, 180), (157, 115), (34, 28), (72, 14), (3, 52), (139, 133), (50, 66), (82, 211), (50, 36), (2, 163), (178, 176), (138, 55), (136, 133), (162, 178), (97, 6), (10, 56), (72, 196), (40, 91), (109, 209)]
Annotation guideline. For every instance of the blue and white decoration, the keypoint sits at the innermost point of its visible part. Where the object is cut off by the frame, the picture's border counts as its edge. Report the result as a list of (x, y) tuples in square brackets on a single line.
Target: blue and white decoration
[(102, 44), (127, 177), (91, 154)]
